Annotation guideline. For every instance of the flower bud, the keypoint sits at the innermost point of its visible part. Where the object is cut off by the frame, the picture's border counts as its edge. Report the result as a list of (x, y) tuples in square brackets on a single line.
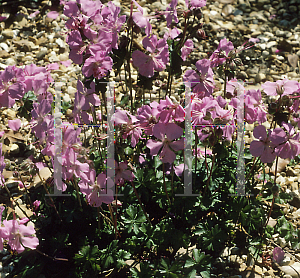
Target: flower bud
[(201, 34), (238, 62), (116, 205), (219, 133)]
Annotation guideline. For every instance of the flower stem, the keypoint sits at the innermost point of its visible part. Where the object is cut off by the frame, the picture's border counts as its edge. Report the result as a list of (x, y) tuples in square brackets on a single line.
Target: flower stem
[(225, 83), (196, 151), (254, 162), (140, 202), (208, 179), (45, 187), (129, 71), (165, 187)]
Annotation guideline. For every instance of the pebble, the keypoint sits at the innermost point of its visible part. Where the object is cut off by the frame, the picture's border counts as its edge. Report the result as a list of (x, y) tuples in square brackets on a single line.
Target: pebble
[(41, 54), (260, 77), (4, 46), (8, 33)]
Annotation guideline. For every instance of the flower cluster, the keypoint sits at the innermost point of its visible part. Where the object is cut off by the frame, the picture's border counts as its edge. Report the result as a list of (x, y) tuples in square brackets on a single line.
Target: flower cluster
[(17, 234)]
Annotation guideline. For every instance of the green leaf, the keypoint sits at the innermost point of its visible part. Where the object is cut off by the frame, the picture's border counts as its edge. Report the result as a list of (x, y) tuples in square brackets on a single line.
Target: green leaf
[(189, 263), (205, 274)]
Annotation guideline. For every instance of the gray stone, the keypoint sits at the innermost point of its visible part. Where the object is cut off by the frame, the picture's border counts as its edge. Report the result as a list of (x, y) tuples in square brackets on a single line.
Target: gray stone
[(280, 33), (260, 77), (295, 202), (42, 53), (271, 44), (237, 12), (242, 75), (265, 53), (293, 9)]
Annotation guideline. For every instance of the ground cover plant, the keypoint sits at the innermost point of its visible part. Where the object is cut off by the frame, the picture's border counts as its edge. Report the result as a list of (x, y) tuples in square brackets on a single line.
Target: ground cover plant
[(142, 212)]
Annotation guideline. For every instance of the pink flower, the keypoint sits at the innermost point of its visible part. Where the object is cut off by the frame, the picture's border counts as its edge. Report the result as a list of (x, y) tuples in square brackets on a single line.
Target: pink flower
[(113, 23), (14, 124), (129, 128), (147, 117), (53, 14), (202, 82), (89, 94), (36, 204), (77, 46), (220, 55), (71, 9), (97, 65), (291, 148), (11, 86), (280, 87), (122, 174), (172, 33), (170, 110), (265, 146), (166, 133), (96, 192), (278, 254), (187, 49), (171, 13), (3, 231), (156, 60), (39, 112), (20, 235), (142, 22), (194, 4), (32, 15)]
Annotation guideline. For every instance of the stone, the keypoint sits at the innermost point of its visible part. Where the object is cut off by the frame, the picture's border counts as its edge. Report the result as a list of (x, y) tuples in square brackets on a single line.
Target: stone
[(295, 202), (292, 270), (42, 53), (24, 44), (271, 44), (14, 149), (8, 33), (242, 75), (225, 252), (282, 242), (4, 46), (10, 62), (285, 261), (293, 9), (265, 53), (260, 77), (4, 54)]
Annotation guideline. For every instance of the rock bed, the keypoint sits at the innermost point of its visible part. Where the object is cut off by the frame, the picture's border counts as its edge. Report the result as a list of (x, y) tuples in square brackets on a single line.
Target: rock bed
[(41, 40)]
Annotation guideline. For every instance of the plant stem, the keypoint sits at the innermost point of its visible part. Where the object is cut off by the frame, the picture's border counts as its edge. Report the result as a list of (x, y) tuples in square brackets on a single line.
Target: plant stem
[(45, 187), (254, 162), (165, 187), (208, 179), (99, 224), (169, 80), (140, 202), (129, 71), (77, 192), (196, 151), (276, 164), (172, 177), (225, 83)]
